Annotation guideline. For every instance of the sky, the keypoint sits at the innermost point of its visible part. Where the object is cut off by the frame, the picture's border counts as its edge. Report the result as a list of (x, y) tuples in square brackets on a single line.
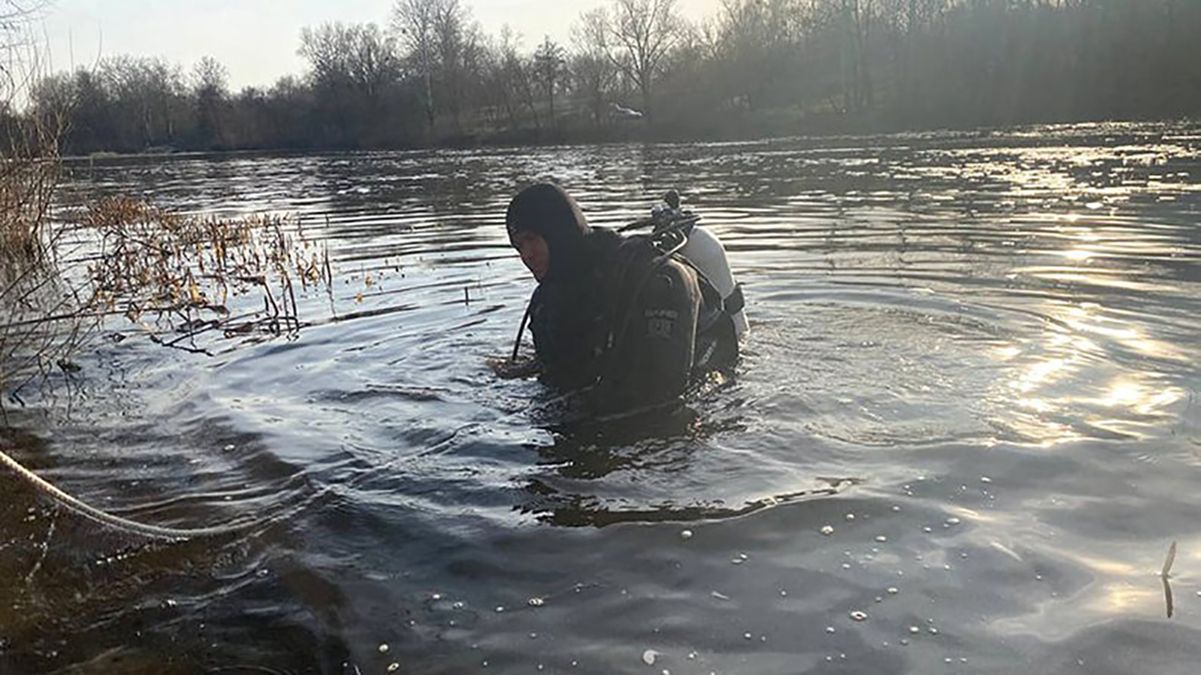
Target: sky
[(257, 39)]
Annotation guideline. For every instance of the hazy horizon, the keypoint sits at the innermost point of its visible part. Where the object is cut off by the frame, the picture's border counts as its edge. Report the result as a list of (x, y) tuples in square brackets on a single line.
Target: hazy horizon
[(257, 39)]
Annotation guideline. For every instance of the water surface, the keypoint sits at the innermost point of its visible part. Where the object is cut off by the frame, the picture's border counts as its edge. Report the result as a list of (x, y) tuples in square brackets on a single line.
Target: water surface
[(967, 410)]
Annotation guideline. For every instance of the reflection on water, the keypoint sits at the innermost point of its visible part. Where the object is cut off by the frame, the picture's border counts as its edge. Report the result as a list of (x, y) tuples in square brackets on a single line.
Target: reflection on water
[(963, 433)]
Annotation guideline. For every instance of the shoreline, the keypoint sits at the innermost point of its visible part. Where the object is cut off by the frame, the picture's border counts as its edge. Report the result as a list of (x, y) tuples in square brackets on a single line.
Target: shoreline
[(542, 139)]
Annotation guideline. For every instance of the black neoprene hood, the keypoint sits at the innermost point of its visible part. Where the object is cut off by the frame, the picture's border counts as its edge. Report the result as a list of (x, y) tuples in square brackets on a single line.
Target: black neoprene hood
[(546, 210)]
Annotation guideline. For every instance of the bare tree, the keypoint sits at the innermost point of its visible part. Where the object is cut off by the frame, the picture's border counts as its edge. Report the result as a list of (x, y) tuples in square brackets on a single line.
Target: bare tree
[(148, 90), (518, 75), (210, 89), (592, 69), (549, 61), (500, 77), (644, 33), (857, 18), (444, 47), (416, 22), (351, 68), (755, 42)]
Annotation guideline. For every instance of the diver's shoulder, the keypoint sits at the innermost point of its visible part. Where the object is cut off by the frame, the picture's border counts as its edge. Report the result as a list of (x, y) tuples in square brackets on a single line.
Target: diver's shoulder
[(602, 240)]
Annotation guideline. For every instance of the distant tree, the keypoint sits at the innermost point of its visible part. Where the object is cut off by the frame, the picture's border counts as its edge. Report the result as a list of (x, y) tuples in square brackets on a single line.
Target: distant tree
[(458, 42), (416, 24), (509, 79), (644, 33), (445, 49), (147, 96), (756, 45), (857, 17), (351, 67), (549, 62), (210, 90), (592, 67)]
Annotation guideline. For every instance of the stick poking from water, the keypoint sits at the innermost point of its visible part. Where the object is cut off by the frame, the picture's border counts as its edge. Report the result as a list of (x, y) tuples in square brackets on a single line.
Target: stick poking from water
[(1169, 561), (1165, 576)]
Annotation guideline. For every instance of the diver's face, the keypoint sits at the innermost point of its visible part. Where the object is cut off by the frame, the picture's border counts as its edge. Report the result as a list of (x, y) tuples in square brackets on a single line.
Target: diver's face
[(534, 253)]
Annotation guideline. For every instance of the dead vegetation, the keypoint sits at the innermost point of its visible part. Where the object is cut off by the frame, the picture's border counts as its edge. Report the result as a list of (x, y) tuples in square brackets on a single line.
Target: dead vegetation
[(180, 277), (179, 280), (42, 315)]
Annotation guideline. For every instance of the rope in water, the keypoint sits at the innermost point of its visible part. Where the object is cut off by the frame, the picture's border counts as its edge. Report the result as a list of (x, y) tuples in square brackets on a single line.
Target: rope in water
[(107, 519)]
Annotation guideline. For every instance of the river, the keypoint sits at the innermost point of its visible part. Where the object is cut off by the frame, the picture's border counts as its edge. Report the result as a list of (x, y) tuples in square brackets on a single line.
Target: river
[(962, 437)]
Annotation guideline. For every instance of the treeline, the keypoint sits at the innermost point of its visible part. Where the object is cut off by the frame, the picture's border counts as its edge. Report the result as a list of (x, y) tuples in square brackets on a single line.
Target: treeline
[(430, 75)]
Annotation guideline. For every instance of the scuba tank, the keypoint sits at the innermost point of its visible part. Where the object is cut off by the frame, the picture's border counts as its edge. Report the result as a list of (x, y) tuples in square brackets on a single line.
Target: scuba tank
[(703, 250)]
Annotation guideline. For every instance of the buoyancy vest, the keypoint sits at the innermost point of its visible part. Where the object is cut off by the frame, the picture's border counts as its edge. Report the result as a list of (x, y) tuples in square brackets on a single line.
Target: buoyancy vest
[(639, 323)]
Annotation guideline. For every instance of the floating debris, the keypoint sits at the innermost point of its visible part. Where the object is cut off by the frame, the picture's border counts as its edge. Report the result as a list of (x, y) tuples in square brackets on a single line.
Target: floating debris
[(850, 516), (914, 630), (828, 530), (858, 616), (393, 667), (1006, 550), (953, 521), (893, 590), (720, 596), (686, 535), (829, 629), (383, 648), (881, 538), (985, 479), (536, 602), (649, 656)]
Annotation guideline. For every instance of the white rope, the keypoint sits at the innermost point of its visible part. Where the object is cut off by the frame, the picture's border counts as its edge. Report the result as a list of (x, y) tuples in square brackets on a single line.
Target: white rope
[(107, 519)]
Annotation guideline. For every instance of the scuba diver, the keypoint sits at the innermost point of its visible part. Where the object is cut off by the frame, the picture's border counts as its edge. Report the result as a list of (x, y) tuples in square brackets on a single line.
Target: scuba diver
[(632, 319)]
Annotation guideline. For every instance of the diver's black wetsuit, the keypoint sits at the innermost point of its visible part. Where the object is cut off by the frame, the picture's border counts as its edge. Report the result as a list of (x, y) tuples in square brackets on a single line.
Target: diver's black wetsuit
[(615, 312)]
